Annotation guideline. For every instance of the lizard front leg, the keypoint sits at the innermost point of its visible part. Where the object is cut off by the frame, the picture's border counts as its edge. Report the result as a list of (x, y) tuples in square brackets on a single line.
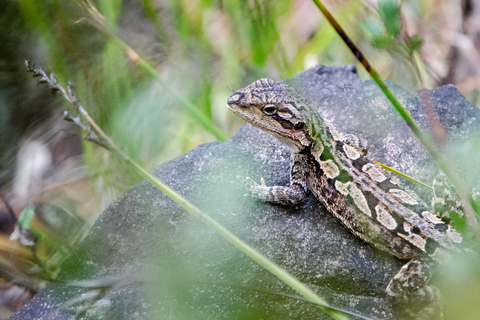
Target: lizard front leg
[(285, 195)]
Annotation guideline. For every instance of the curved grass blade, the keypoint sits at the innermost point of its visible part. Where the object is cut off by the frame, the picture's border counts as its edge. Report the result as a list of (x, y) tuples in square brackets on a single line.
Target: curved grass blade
[(294, 297)]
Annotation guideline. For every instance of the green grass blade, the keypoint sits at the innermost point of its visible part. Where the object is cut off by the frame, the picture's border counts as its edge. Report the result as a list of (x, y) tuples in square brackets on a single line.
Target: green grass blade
[(402, 174)]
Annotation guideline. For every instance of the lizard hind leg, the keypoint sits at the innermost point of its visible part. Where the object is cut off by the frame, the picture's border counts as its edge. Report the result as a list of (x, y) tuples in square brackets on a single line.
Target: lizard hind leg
[(410, 293), (444, 201), (447, 205)]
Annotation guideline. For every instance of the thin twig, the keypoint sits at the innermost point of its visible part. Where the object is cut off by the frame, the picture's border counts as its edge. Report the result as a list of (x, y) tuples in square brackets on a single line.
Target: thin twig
[(94, 130)]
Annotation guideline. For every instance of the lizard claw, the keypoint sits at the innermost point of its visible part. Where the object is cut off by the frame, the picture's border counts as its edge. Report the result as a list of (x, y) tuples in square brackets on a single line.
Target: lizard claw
[(252, 187)]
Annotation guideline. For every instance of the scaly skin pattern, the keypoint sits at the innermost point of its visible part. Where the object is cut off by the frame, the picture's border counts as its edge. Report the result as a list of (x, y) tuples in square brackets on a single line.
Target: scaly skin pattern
[(368, 201)]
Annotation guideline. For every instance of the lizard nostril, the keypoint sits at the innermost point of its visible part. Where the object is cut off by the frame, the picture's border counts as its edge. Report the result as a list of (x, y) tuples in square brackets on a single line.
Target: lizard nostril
[(235, 98), (299, 126)]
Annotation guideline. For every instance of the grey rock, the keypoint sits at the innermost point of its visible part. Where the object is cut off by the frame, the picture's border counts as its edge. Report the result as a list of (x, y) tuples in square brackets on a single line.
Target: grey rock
[(160, 262)]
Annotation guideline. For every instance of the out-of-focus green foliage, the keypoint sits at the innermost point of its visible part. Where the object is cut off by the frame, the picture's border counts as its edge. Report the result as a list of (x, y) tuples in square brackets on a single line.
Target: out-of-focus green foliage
[(390, 13), (200, 48)]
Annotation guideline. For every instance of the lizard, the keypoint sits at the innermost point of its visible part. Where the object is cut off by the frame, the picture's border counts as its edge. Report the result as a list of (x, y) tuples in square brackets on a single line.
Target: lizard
[(368, 201)]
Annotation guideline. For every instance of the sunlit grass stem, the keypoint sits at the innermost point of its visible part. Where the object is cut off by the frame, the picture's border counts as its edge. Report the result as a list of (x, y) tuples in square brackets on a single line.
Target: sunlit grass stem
[(426, 141)]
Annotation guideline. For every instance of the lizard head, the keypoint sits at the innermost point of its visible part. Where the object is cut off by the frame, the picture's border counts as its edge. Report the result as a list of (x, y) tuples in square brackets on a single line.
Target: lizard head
[(270, 106)]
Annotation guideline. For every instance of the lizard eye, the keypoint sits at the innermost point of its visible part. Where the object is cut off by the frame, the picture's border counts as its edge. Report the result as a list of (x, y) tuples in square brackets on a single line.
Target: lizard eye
[(270, 109)]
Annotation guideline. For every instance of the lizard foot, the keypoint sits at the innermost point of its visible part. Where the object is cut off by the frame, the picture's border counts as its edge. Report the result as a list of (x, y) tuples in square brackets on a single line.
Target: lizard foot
[(288, 195)]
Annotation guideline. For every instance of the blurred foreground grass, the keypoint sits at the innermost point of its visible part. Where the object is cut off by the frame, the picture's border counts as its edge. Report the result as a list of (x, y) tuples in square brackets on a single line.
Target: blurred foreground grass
[(200, 49)]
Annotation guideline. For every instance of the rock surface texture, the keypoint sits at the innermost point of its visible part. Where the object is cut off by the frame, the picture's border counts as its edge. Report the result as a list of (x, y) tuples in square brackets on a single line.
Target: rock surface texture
[(146, 257)]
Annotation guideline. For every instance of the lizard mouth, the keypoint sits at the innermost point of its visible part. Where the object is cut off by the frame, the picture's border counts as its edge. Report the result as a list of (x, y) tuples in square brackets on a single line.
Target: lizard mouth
[(249, 115), (295, 139), (241, 111)]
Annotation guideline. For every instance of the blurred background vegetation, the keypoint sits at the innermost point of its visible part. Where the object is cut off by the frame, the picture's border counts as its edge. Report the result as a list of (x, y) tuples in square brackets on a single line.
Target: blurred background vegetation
[(200, 49)]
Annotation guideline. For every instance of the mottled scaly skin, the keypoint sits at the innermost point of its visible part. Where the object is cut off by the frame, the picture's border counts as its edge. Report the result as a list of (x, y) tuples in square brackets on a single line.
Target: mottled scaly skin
[(369, 202)]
